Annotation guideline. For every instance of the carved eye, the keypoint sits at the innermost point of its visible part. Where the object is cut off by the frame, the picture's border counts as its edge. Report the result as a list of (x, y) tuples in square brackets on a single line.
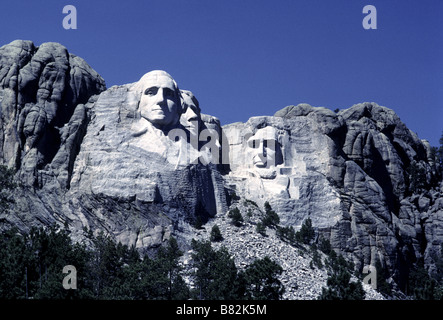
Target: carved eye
[(151, 91), (254, 143), (269, 143), (169, 93)]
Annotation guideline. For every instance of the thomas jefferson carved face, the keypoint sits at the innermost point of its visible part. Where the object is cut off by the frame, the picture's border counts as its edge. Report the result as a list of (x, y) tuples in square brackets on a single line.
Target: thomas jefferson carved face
[(264, 147), (160, 100), (190, 117)]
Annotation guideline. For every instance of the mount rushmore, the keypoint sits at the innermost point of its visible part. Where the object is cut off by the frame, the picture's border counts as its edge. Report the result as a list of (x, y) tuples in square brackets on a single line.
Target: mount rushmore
[(141, 162)]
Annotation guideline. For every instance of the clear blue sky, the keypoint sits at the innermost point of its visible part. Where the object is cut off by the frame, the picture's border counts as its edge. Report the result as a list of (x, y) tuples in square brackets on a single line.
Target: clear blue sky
[(244, 58)]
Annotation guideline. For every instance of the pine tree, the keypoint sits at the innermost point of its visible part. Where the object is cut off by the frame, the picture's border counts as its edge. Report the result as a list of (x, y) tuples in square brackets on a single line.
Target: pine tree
[(53, 249), (306, 233), (168, 261), (215, 273), (341, 288), (261, 228), (12, 265), (107, 267), (339, 284), (271, 218), (286, 234), (262, 280), (216, 234), (236, 217), (382, 274), (324, 246), (420, 285)]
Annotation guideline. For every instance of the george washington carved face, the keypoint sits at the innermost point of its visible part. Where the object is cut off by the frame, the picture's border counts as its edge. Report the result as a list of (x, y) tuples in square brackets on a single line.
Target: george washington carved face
[(160, 99)]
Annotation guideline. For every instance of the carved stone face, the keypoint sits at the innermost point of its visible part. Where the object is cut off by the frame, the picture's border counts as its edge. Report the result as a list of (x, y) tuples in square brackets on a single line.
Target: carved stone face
[(190, 117), (263, 146), (160, 101)]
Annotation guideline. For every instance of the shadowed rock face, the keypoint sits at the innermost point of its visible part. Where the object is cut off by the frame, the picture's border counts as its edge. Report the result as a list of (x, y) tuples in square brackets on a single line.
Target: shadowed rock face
[(90, 157), (42, 89)]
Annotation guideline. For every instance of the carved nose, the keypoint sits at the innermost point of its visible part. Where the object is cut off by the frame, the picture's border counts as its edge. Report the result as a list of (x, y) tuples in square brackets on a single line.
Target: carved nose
[(263, 148), (160, 97)]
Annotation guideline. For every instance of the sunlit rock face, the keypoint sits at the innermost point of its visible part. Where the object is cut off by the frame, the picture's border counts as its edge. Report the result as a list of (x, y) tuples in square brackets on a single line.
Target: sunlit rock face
[(287, 163), (125, 157), (347, 172), (117, 160)]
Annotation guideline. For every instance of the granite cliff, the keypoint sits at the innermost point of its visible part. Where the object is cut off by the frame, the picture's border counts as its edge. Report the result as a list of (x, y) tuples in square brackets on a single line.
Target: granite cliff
[(90, 157), (350, 173)]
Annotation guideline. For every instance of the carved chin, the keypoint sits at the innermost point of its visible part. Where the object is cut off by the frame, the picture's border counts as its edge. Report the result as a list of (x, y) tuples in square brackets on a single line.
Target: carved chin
[(264, 173), (162, 120)]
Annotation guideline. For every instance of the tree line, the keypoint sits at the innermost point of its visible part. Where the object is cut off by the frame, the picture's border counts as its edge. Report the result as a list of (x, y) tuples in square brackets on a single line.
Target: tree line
[(31, 268)]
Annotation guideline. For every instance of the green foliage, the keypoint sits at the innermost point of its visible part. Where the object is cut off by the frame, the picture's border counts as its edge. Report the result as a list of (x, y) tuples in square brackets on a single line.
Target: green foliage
[(338, 262), (198, 223), (420, 285), (382, 275), (217, 278), (106, 266), (12, 265), (339, 284), (233, 196), (216, 234), (31, 267), (287, 234), (341, 288), (324, 245), (236, 217), (262, 281), (267, 206), (306, 233), (162, 278), (216, 274), (271, 218), (316, 258), (438, 275), (261, 228)]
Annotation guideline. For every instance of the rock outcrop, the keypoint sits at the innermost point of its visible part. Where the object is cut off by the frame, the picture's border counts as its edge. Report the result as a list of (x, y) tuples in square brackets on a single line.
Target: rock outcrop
[(42, 89), (84, 158), (143, 167), (350, 173)]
